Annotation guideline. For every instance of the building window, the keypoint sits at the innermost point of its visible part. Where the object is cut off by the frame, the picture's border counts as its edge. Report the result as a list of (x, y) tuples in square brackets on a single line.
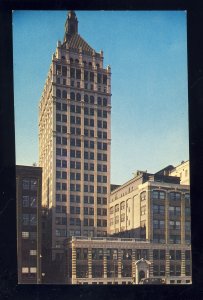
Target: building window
[(64, 94), (33, 219), (158, 209), (61, 232), (78, 97), (26, 183), (158, 195), (33, 184), (187, 211), (25, 234), (104, 102), (72, 96), (33, 202), (174, 210), (25, 219), (25, 270), (33, 252), (25, 201), (58, 93), (174, 196)]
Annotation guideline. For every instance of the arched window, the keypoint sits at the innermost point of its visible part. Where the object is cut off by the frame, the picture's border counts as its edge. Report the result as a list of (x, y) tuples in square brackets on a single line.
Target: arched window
[(64, 94), (71, 60), (104, 102), (78, 97), (99, 101), (86, 98), (97, 65), (72, 96), (63, 57), (76, 61), (84, 62), (92, 99), (90, 64), (58, 93)]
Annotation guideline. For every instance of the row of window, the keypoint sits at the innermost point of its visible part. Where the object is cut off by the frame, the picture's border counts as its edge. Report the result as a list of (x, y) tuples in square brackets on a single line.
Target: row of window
[(173, 225), (76, 61), (88, 111), (77, 131), (26, 270), (76, 199), (86, 85), (32, 235), (77, 97), (88, 75), (126, 271), (88, 211), (126, 254), (161, 195), (173, 239)]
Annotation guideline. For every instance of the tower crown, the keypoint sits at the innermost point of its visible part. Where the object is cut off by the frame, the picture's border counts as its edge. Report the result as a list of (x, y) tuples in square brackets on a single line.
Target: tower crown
[(71, 26)]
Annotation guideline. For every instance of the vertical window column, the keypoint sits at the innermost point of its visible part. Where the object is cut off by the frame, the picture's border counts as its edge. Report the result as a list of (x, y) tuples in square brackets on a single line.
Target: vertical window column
[(68, 71), (152, 262), (89, 263), (73, 264), (133, 263), (95, 169), (82, 163), (105, 263), (168, 258), (182, 262), (119, 263), (167, 219), (82, 84), (68, 151), (95, 80), (182, 221), (109, 79)]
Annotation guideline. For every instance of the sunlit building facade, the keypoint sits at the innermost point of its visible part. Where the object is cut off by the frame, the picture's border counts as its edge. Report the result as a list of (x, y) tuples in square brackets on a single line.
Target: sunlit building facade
[(75, 139), (114, 260), (182, 171)]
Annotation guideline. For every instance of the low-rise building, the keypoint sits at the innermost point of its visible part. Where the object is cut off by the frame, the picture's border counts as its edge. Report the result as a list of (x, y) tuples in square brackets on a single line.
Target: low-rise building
[(28, 197), (153, 207), (125, 261)]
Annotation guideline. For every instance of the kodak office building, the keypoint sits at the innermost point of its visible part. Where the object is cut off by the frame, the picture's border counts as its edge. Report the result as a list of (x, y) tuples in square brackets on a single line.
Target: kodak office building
[(91, 235)]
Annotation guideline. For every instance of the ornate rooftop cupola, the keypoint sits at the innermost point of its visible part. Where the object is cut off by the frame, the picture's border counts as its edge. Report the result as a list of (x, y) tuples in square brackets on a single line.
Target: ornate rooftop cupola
[(71, 25)]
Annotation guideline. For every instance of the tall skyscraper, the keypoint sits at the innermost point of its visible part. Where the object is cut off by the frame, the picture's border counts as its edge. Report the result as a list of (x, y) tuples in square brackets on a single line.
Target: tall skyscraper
[(75, 138)]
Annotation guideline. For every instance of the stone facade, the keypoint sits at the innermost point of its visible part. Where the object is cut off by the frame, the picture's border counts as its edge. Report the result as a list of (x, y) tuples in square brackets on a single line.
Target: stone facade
[(75, 139), (125, 261), (182, 171)]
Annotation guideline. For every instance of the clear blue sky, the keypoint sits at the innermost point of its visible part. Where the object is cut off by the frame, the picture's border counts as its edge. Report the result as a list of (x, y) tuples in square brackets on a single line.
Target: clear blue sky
[(147, 52)]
